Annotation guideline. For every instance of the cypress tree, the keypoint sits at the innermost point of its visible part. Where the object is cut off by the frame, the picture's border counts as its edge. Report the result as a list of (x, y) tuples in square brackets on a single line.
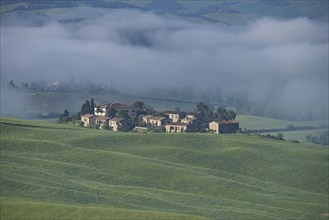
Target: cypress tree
[(92, 106), (88, 107)]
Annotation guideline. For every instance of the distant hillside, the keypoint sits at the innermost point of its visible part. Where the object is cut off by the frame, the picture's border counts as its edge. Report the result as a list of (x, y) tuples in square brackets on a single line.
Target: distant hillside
[(291, 130), (228, 12), (65, 168), (255, 122)]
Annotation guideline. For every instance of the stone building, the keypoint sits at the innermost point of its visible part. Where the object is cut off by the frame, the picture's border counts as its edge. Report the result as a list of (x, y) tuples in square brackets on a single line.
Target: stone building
[(220, 127)]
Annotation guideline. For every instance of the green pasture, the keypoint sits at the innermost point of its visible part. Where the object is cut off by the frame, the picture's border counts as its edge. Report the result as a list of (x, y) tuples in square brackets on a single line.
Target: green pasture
[(300, 135), (25, 209), (256, 122), (77, 173)]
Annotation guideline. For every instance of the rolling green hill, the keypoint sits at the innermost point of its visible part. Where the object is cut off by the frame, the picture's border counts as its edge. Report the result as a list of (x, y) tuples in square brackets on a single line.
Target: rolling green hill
[(24, 209), (255, 122), (77, 173)]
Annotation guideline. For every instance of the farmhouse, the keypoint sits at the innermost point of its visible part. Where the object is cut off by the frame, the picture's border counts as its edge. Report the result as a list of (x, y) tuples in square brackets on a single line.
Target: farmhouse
[(88, 120), (154, 120), (157, 121), (220, 127), (176, 127), (115, 123), (145, 118), (174, 116), (105, 110), (103, 122)]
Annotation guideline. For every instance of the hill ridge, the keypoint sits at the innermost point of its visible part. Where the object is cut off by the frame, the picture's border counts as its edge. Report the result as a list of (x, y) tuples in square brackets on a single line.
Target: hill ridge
[(213, 176)]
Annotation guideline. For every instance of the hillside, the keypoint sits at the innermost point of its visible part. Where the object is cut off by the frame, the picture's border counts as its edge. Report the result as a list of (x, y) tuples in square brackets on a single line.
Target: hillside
[(79, 172), (255, 122), (227, 12)]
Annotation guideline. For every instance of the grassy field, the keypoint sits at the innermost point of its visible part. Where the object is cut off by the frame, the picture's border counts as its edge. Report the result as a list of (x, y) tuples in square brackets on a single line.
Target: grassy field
[(25, 209), (256, 122), (76, 173), (300, 135)]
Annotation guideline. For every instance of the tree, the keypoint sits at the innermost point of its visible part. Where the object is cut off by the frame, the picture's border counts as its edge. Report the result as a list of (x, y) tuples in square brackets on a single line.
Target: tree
[(112, 112), (139, 105), (202, 108), (323, 138), (92, 106), (279, 136), (127, 125), (231, 115), (12, 84), (25, 85), (149, 110), (122, 114), (86, 108), (140, 108), (65, 117)]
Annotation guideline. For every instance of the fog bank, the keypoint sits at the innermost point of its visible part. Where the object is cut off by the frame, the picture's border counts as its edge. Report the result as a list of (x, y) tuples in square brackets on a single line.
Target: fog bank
[(282, 61)]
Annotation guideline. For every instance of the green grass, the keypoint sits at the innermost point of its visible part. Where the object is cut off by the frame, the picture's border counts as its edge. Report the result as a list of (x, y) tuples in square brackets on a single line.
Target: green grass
[(256, 122), (25, 209), (158, 176), (300, 135)]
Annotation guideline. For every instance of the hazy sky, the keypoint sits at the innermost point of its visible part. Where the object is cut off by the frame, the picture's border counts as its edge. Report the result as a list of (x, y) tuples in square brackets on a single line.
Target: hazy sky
[(285, 58)]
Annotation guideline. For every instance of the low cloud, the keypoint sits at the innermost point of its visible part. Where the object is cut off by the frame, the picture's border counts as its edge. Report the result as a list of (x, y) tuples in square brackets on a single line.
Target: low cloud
[(283, 59)]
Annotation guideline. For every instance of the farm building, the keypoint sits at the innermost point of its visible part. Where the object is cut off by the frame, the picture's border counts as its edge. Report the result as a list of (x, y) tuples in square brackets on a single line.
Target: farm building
[(103, 122), (88, 120), (220, 127), (105, 110), (145, 118), (174, 116), (176, 127), (156, 121), (115, 123)]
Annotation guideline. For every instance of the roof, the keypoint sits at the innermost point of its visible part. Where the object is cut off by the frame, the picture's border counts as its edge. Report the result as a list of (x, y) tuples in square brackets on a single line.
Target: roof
[(171, 112), (103, 118), (147, 116), (117, 119), (157, 118), (88, 116), (177, 124), (187, 119)]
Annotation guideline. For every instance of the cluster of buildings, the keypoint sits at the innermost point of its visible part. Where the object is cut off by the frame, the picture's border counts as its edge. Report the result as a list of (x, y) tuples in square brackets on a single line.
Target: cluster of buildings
[(171, 121), (101, 119)]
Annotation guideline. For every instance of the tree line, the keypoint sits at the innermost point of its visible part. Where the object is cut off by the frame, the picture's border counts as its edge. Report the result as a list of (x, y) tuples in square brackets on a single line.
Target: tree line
[(322, 138)]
